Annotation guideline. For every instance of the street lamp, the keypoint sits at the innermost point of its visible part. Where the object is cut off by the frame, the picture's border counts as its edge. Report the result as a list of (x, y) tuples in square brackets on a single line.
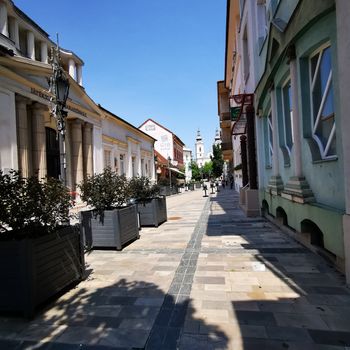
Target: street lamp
[(59, 87), (169, 162)]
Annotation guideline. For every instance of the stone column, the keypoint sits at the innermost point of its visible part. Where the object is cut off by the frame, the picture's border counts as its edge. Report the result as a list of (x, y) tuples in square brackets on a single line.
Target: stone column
[(22, 132), (13, 23), (138, 161), (71, 68), (77, 153), (87, 149), (297, 188), (39, 139), (275, 183), (129, 161), (30, 45), (80, 74), (43, 51), (3, 19)]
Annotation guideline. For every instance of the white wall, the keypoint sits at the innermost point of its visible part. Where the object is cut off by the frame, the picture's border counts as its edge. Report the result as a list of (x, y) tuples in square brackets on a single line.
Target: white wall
[(164, 144)]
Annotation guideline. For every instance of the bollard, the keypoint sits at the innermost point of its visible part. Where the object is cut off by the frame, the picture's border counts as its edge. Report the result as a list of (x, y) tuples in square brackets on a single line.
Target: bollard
[(205, 187)]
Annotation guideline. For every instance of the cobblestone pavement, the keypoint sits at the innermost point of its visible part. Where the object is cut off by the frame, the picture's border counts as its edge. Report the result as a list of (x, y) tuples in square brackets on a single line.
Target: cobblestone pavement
[(209, 278)]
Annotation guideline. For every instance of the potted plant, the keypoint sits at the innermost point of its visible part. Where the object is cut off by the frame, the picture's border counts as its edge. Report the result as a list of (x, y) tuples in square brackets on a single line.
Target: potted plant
[(151, 207), (40, 253), (164, 186), (111, 222)]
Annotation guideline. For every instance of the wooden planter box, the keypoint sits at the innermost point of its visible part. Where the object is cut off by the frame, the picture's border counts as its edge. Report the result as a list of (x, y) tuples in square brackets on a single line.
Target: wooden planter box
[(116, 228), (35, 269), (153, 212)]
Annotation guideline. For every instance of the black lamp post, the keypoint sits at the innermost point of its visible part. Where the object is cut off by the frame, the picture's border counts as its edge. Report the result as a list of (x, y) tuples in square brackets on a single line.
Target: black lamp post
[(169, 162), (59, 87)]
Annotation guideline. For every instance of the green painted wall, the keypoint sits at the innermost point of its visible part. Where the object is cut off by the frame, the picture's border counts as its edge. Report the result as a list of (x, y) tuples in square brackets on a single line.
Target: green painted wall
[(328, 220)]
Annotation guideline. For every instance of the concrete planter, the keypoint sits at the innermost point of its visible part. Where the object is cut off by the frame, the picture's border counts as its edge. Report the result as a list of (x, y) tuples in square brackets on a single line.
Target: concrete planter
[(116, 228), (153, 212), (198, 185), (35, 269)]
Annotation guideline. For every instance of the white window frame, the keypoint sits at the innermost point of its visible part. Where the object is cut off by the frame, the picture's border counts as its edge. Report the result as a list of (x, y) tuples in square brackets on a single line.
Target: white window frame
[(314, 124), (269, 138), (290, 116)]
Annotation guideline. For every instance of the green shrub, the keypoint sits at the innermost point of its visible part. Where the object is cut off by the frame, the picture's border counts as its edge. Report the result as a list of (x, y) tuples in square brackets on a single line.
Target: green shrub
[(142, 189), (28, 205), (105, 191)]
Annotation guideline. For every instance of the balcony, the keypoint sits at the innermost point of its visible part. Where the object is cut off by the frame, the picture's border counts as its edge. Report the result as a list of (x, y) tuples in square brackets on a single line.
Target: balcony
[(225, 120), (226, 146)]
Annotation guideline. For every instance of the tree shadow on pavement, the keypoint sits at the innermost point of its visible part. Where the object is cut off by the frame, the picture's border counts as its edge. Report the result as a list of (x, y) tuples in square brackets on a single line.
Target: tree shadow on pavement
[(127, 314), (283, 295)]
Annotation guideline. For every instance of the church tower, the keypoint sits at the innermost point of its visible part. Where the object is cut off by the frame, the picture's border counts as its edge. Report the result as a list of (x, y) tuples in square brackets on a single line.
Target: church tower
[(217, 140), (200, 155)]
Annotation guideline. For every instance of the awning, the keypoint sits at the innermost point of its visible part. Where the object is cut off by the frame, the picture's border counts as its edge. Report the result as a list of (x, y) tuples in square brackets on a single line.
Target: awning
[(175, 170)]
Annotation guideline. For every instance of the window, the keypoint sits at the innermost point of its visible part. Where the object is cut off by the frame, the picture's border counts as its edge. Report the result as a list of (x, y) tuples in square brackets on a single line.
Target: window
[(142, 167), (287, 116), (322, 102), (107, 158), (133, 166), (269, 140), (246, 58), (262, 19), (121, 162)]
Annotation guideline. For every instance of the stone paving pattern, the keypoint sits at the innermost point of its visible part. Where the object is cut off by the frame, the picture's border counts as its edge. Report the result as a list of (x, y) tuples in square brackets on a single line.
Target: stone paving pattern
[(209, 278)]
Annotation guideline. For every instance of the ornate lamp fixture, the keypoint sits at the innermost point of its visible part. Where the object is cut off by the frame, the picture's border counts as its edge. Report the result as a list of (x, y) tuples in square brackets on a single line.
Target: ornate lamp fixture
[(59, 87)]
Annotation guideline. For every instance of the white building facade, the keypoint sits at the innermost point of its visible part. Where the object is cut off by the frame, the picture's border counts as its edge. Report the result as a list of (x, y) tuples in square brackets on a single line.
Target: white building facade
[(187, 164), (28, 132)]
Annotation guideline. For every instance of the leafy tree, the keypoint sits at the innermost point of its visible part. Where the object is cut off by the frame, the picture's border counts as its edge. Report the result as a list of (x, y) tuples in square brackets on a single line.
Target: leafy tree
[(218, 162), (207, 169), (196, 173)]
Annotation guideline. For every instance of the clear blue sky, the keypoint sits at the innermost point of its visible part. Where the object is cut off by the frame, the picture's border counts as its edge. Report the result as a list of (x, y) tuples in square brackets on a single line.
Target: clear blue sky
[(156, 59)]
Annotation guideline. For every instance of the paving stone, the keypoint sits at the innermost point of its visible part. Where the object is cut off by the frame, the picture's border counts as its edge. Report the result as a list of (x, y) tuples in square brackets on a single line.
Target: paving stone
[(257, 318), (210, 280), (330, 337), (289, 334)]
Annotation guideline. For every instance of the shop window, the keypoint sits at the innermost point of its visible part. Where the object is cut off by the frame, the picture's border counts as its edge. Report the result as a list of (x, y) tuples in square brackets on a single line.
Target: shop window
[(322, 102)]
